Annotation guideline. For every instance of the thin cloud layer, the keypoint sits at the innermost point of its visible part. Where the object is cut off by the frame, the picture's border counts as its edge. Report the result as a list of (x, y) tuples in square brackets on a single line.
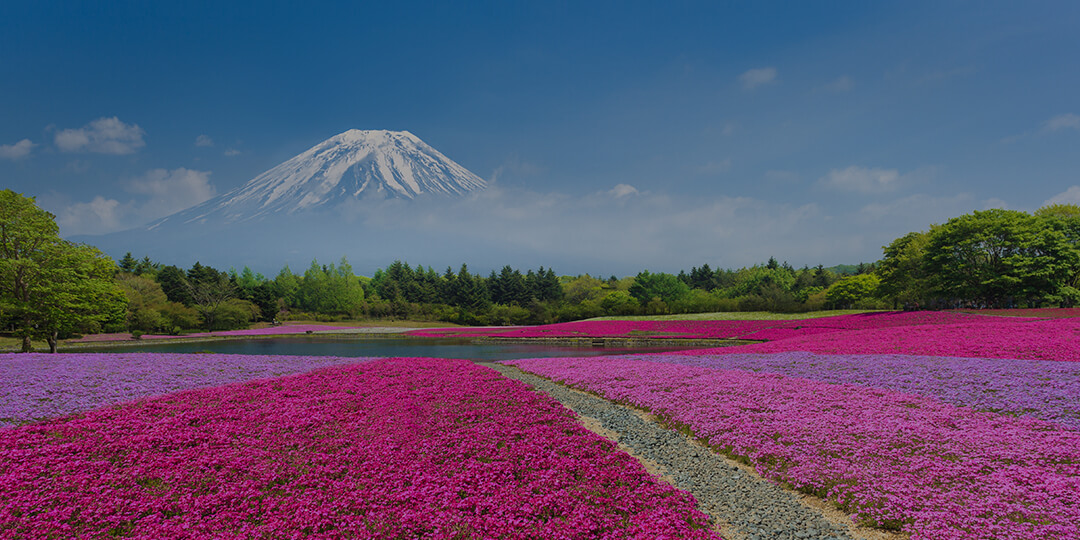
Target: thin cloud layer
[(16, 151), (160, 193), (756, 77), (862, 179), (102, 136), (616, 230), (1062, 121), (1069, 196)]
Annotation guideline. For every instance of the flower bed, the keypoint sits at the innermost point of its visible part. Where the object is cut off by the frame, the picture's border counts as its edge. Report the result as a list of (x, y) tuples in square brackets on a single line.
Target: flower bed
[(394, 448), (895, 460), (38, 386), (1046, 390), (984, 337)]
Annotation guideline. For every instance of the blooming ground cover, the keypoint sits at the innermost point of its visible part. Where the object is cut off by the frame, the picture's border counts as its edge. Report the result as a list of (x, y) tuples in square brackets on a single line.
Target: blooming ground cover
[(1051, 313), (894, 459), (982, 337), (35, 387), (391, 448), (1041, 389)]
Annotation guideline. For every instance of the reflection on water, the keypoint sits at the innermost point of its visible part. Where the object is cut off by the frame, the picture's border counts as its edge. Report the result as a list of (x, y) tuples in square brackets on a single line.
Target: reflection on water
[(361, 346)]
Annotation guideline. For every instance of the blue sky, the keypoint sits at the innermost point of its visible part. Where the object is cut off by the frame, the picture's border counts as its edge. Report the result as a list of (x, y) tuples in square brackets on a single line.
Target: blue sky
[(812, 131)]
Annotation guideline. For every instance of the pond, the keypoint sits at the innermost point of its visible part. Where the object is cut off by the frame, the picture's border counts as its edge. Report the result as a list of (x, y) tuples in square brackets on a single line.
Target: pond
[(367, 346)]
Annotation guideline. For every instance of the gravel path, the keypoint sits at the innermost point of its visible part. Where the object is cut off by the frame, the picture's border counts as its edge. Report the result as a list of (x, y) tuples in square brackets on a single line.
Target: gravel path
[(744, 506)]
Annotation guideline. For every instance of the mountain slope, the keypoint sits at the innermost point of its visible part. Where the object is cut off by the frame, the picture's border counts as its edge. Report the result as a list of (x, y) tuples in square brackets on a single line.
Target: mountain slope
[(349, 166)]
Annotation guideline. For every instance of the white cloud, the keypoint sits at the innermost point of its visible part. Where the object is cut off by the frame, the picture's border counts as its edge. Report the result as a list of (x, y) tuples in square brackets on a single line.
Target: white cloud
[(98, 216), (204, 140), (917, 212), (840, 84), (18, 150), (1062, 121), (102, 136), (1069, 196), (861, 179), (754, 78), (232, 152), (172, 191), (623, 190), (715, 167), (159, 193), (729, 129)]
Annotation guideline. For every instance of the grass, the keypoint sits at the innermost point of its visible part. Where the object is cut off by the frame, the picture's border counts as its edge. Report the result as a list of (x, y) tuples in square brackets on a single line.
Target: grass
[(737, 316)]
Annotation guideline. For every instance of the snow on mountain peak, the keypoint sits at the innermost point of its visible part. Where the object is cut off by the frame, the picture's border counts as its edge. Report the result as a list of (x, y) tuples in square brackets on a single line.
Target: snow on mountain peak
[(350, 165)]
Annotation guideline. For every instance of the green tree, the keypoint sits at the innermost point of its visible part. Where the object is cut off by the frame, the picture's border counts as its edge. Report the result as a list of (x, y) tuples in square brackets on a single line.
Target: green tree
[(993, 256), (48, 286), (666, 287), (903, 270), (851, 290)]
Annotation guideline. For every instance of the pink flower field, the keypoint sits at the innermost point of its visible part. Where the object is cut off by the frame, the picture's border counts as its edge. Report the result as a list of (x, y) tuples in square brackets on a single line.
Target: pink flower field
[(391, 448), (895, 460)]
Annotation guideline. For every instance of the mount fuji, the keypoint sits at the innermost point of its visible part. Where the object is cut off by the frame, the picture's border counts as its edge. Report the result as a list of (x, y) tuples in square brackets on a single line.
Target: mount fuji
[(360, 194), (353, 165)]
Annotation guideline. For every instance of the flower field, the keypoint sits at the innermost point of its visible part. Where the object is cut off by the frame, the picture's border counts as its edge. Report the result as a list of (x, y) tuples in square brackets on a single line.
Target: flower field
[(894, 459), (36, 387), (1040, 389), (944, 426), (392, 448)]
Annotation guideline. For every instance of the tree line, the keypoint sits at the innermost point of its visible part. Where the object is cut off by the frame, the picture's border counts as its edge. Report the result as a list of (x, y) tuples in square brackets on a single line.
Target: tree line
[(991, 258), (51, 288)]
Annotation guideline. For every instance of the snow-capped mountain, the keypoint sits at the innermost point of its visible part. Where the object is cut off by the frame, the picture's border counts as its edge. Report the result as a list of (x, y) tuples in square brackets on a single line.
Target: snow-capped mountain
[(352, 165)]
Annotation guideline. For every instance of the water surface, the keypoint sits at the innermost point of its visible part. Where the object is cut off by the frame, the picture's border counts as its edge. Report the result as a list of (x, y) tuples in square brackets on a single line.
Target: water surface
[(367, 346)]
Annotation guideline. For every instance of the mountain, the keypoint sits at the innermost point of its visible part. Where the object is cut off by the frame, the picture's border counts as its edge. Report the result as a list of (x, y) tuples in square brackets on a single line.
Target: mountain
[(361, 194), (351, 166)]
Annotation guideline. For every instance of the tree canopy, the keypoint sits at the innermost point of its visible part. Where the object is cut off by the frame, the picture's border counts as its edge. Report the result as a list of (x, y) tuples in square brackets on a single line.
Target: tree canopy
[(50, 287)]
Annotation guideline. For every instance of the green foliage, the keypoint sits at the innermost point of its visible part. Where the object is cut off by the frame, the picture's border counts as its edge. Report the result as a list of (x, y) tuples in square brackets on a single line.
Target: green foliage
[(330, 290), (233, 314), (993, 255), (852, 290), (903, 270), (50, 287), (666, 288)]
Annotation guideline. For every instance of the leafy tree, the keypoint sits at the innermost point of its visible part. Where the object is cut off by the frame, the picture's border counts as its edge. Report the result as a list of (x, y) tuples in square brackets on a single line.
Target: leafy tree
[(666, 287), (174, 284), (851, 290), (286, 286), (209, 290), (49, 286), (127, 263), (903, 270), (145, 299), (994, 255)]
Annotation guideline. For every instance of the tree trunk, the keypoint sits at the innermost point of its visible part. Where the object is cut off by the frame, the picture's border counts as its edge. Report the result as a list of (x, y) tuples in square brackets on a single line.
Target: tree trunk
[(26, 347), (52, 342)]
